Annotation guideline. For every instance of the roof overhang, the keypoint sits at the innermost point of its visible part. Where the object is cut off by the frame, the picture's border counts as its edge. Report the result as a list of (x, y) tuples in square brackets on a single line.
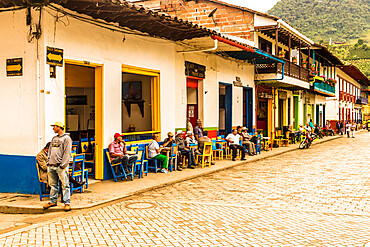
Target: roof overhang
[(284, 32), (324, 52), (356, 74), (124, 14)]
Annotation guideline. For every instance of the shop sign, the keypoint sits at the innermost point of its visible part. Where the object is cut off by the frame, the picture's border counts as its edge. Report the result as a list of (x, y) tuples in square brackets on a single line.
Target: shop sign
[(238, 82), (283, 95), (265, 95), (14, 67), (195, 70), (54, 56)]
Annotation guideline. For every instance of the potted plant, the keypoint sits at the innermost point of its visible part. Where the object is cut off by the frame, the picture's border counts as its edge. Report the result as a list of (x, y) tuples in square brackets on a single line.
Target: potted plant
[(294, 59), (281, 53), (304, 64), (313, 67)]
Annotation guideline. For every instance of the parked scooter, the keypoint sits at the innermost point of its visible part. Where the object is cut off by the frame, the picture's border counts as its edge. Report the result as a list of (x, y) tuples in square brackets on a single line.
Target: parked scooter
[(306, 143)]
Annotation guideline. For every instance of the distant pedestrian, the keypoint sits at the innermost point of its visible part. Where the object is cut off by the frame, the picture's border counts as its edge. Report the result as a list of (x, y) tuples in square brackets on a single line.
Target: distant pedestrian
[(341, 126), (348, 128), (59, 156), (353, 128), (338, 127)]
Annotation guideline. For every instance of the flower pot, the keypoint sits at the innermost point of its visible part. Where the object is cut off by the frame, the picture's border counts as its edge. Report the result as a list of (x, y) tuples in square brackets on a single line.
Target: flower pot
[(304, 65)]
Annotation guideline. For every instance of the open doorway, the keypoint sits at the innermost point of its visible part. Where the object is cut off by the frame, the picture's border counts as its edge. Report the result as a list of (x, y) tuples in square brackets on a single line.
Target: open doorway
[(84, 111), (192, 100), (225, 109), (248, 108)]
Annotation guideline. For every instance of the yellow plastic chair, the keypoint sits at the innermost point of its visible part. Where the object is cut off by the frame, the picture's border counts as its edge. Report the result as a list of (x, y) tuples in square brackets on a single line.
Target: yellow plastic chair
[(207, 152)]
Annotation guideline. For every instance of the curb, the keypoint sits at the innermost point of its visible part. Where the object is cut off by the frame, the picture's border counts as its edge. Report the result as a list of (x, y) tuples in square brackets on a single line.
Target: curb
[(30, 210)]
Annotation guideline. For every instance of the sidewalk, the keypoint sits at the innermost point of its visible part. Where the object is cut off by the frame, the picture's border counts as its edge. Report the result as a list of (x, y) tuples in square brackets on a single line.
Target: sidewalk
[(100, 192)]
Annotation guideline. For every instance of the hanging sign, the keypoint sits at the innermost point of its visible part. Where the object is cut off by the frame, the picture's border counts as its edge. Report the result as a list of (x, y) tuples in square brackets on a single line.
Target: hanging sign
[(14, 67), (195, 70), (54, 56), (238, 82)]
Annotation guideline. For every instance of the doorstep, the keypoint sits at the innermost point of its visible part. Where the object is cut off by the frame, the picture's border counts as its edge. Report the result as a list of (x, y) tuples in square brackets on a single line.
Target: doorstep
[(101, 192)]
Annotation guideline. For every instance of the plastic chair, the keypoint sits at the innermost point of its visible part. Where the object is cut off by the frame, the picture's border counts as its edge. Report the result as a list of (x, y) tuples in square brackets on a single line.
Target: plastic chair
[(259, 144), (75, 147), (140, 162), (207, 152), (44, 192), (217, 153), (286, 140), (152, 163), (78, 173), (112, 167), (90, 164), (172, 163)]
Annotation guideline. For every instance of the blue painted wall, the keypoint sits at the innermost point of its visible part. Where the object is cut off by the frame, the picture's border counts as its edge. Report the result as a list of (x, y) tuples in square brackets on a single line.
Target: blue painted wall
[(18, 174)]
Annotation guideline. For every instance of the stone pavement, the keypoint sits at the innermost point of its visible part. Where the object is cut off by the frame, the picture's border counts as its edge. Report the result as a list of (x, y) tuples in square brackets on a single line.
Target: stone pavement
[(314, 197), (100, 192)]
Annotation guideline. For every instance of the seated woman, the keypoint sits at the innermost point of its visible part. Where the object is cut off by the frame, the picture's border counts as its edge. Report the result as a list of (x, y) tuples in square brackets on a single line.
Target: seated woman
[(154, 153)]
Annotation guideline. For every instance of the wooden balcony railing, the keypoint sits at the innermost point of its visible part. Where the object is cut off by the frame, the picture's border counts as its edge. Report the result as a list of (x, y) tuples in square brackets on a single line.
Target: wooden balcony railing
[(290, 69)]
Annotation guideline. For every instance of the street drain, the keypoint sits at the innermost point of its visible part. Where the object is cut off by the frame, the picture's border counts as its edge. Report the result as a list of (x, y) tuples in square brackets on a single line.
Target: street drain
[(140, 205)]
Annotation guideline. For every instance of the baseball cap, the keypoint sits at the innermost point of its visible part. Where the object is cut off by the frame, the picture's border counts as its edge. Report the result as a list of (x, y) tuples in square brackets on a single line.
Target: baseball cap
[(117, 135), (59, 124), (179, 132)]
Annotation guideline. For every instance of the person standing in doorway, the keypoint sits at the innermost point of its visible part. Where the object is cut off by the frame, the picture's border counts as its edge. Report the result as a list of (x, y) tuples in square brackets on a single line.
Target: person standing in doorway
[(59, 156), (189, 126)]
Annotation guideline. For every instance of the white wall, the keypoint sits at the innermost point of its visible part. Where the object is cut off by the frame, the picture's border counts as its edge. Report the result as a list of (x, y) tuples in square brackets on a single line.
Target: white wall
[(18, 95)]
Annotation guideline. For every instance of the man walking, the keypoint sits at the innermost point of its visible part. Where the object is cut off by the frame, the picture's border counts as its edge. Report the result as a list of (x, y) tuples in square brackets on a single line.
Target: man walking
[(59, 156)]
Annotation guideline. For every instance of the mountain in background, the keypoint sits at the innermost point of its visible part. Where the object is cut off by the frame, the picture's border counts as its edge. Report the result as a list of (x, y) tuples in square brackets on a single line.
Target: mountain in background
[(344, 22), (320, 20)]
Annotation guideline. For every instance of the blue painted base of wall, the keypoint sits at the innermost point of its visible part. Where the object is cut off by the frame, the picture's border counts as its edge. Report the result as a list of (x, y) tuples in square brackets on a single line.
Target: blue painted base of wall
[(18, 174), (107, 170)]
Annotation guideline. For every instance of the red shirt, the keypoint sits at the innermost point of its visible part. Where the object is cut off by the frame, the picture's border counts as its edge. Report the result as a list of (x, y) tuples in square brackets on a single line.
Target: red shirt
[(115, 148)]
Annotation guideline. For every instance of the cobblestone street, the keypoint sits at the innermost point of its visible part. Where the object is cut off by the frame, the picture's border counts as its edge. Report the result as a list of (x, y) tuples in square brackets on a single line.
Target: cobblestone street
[(314, 197)]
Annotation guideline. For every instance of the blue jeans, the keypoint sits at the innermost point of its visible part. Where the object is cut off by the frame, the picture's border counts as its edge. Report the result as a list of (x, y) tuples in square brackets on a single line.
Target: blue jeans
[(56, 173)]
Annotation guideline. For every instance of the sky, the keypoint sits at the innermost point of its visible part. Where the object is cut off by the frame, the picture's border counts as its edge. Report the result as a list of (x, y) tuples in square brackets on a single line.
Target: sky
[(259, 5)]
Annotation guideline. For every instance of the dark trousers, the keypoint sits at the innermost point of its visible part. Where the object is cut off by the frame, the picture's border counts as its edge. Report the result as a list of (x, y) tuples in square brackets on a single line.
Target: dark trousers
[(189, 154), (127, 161), (234, 147)]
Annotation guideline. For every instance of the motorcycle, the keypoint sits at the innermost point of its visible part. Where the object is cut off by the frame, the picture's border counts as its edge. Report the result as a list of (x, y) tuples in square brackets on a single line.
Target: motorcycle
[(306, 143)]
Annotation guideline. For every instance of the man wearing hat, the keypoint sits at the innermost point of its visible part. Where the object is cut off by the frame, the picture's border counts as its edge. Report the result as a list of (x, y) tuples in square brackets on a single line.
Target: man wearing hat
[(59, 155), (184, 149), (247, 141), (118, 153)]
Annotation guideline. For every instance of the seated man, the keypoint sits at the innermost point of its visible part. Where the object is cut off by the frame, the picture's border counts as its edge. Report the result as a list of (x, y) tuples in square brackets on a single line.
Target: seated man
[(233, 138), (201, 142), (318, 132), (42, 159), (118, 153), (169, 140), (291, 134), (190, 139), (184, 149), (246, 141), (154, 152)]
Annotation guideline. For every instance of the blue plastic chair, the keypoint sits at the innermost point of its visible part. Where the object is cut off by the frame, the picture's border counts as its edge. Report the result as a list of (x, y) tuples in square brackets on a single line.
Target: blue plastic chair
[(259, 144), (173, 158), (44, 192), (152, 163), (120, 170), (75, 146), (78, 174), (139, 165)]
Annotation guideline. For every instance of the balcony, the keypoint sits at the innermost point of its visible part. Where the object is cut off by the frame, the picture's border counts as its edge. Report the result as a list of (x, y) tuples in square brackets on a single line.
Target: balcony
[(291, 69), (319, 86), (365, 88), (362, 100)]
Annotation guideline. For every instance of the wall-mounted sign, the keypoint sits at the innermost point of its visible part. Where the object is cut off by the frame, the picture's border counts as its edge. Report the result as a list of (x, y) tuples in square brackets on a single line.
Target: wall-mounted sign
[(14, 67), (238, 82), (283, 95), (195, 70), (265, 95), (54, 56)]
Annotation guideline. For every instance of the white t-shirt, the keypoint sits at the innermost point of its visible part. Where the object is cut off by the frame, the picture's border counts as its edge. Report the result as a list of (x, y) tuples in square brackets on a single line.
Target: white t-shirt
[(348, 126), (234, 138), (152, 149)]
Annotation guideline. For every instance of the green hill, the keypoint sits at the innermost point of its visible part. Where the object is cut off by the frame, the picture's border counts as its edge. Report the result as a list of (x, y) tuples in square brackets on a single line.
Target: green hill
[(320, 20)]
